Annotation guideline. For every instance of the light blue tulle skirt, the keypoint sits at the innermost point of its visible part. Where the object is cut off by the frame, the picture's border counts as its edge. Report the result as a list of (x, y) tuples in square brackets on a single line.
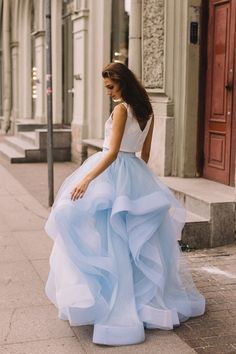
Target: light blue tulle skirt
[(116, 262)]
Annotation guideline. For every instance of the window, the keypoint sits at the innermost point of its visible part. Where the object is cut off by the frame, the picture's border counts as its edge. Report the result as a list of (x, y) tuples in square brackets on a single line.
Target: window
[(120, 31)]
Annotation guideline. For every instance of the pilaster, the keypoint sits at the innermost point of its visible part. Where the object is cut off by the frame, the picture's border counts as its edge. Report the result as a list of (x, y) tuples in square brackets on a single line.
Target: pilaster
[(25, 84), (153, 43), (155, 77), (57, 61), (79, 122), (170, 70), (15, 83), (186, 81), (7, 74), (40, 113), (1, 68), (1, 83), (99, 38), (135, 32), (14, 47)]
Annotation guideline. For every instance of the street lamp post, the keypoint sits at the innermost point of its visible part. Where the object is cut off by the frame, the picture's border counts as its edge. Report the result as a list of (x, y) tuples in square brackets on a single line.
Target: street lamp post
[(49, 103)]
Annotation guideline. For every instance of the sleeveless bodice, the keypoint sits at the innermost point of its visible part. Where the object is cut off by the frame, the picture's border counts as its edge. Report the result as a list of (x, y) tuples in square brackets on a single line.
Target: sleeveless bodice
[(133, 137)]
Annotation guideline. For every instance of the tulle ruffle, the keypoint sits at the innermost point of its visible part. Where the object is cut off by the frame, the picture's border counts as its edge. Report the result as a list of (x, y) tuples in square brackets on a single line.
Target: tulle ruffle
[(116, 261)]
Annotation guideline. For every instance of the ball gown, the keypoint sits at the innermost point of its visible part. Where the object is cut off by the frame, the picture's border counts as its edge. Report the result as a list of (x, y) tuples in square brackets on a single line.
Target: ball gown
[(116, 263)]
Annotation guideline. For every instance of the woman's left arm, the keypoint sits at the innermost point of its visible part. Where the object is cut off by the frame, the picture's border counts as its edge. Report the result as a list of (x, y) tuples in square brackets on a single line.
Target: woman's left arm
[(118, 127)]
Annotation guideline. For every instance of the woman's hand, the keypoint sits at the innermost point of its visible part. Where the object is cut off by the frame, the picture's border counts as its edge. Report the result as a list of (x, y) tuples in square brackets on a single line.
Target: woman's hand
[(118, 127), (80, 189)]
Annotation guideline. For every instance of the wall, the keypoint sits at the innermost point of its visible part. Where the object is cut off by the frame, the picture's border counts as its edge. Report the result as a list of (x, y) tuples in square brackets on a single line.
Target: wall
[(170, 67), (92, 26), (157, 76), (186, 81)]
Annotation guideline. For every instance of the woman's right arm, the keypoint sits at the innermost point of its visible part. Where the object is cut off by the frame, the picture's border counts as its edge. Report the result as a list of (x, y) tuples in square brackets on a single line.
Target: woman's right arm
[(145, 153), (118, 127)]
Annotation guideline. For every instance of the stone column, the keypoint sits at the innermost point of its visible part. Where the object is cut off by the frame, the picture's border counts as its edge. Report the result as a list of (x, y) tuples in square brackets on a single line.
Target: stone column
[(7, 66), (57, 60), (186, 80), (99, 38), (40, 113), (155, 19), (135, 25), (40, 15), (1, 84), (15, 62), (1, 64), (153, 72), (25, 67), (79, 122), (15, 82)]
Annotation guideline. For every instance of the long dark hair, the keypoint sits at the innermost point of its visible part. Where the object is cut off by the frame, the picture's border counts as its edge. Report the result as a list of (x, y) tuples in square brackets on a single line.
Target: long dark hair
[(132, 91)]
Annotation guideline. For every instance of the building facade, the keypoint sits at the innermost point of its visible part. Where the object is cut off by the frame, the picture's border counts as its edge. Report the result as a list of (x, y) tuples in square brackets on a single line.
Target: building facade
[(184, 53), (171, 46)]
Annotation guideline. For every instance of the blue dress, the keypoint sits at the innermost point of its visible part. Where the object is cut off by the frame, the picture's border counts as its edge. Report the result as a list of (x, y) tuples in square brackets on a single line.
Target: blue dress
[(116, 263)]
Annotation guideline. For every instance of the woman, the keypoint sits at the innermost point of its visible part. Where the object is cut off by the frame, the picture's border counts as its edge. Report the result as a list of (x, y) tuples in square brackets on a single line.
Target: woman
[(116, 263)]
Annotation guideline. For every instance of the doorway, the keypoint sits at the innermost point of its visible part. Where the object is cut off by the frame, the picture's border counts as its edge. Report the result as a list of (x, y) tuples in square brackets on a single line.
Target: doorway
[(219, 126)]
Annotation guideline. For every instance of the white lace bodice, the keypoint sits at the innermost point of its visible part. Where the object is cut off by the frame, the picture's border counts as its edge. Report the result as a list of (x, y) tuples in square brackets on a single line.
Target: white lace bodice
[(133, 137)]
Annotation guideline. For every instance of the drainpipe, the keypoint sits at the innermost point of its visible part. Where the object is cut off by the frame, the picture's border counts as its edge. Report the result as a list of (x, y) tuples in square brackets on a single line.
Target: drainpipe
[(6, 67)]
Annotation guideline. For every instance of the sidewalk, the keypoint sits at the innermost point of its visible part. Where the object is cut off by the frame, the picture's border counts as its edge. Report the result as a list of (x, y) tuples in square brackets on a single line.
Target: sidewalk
[(28, 321)]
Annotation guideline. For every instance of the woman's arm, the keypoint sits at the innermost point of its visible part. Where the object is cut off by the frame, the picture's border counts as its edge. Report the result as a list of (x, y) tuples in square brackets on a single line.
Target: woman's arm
[(145, 153), (118, 127)]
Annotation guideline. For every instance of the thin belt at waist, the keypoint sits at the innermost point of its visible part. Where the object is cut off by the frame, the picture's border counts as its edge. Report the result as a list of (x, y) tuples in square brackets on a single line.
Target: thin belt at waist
[(120, 153)]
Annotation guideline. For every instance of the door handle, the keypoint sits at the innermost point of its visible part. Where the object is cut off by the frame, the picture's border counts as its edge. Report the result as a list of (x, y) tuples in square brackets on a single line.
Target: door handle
[(228, 86)]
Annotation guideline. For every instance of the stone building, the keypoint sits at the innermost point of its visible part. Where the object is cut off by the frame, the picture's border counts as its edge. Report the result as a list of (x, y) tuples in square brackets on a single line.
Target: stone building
[(184, 53)]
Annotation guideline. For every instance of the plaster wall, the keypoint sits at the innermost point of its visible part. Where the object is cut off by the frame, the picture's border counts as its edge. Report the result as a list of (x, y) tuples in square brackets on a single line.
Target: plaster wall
[(1, 63), (186, 81), (15, 61), (92, 27), (170, 67), (135, 35), (56, 10), (15, 96), (80, 43), (157, 77), (40, 109), (98, 57), (40, 61), (25, 102)]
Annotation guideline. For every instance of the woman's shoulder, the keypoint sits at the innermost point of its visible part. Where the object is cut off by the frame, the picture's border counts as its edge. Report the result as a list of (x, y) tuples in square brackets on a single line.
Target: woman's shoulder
[(121, 106)]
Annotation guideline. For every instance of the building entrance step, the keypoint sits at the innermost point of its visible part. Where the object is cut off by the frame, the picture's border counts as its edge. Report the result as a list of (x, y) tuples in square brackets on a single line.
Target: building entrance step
[(30, 137), (31, 145), (11, 154), (211, 201), (19, 144)]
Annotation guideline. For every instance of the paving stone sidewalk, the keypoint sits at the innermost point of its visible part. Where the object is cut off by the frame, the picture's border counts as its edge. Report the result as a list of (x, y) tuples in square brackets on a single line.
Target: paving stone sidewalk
[(28, 322), (214, 272)]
